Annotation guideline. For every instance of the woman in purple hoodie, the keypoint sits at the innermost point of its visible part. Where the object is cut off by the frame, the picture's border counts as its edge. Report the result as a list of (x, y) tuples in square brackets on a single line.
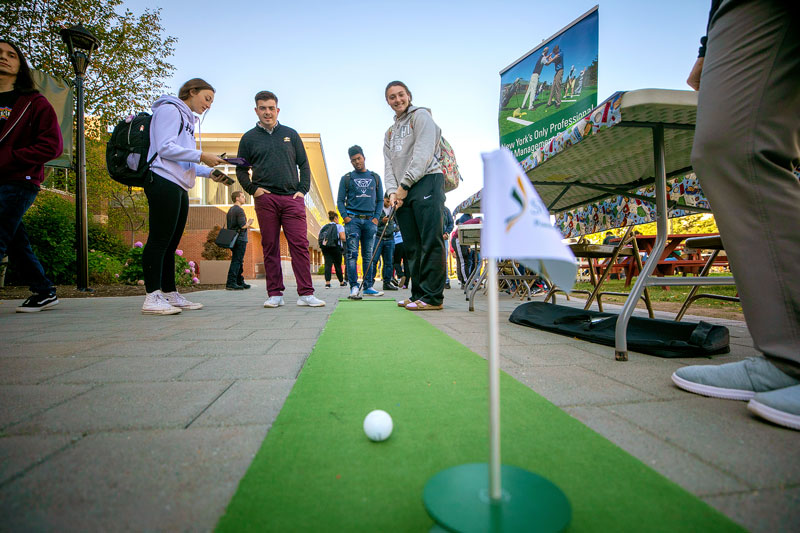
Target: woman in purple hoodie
[(172, 174)]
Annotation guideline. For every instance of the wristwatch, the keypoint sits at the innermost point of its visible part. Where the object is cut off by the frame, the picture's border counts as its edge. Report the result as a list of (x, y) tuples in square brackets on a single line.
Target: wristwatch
[(404, 186)]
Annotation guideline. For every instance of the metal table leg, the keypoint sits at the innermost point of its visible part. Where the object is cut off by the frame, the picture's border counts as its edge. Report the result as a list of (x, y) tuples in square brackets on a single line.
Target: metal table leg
[(620, 334)]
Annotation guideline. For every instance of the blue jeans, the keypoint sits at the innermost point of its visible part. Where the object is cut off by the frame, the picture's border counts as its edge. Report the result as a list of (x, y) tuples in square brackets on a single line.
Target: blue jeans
[(14, 242), (359, 231), (384, 248)]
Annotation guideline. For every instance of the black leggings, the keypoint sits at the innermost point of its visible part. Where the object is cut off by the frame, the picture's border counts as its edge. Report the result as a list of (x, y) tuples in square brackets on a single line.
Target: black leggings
[(333, 258), (169, 208)]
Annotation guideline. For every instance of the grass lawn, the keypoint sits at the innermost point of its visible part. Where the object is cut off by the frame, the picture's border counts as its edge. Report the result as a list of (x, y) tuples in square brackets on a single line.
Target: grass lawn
[(671, 299), (540, 111)]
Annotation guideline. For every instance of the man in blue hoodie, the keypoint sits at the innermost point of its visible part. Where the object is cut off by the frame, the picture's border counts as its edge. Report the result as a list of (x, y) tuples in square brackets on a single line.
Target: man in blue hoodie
[(360, 203)]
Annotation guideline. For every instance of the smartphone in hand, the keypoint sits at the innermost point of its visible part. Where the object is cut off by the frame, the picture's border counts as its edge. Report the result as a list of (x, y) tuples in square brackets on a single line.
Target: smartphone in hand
[(220, 177)]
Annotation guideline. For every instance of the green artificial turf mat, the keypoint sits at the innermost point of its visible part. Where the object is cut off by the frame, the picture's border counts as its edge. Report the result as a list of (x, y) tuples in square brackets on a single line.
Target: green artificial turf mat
[(317, 471)]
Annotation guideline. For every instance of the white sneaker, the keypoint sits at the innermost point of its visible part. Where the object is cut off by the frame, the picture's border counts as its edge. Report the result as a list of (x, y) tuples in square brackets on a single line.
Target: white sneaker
[(177, 299), (274, 301), (156, 304), (310, 300), (354, 293)]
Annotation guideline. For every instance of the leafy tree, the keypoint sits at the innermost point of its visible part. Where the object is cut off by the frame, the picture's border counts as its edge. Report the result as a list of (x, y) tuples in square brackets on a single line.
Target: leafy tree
[(127, 70)]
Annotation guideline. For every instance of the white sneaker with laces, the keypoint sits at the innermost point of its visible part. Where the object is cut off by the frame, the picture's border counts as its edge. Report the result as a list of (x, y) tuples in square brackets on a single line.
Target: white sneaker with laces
[(274, 301), (310, 300), (354, 293), (156, 304), (177, 299)]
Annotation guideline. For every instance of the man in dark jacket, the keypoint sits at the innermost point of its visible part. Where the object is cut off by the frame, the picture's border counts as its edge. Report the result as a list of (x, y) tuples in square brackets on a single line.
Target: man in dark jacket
[(276, 152), (30, 136), (237, 220), (359, 202)]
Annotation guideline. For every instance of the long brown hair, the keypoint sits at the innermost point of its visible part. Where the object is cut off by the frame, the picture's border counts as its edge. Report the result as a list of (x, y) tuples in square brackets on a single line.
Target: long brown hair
[(24, 82), (196, 85)]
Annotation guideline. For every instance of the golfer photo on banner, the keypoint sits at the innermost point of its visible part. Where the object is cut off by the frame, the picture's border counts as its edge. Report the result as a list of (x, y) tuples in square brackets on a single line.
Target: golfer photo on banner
[(549, 88)]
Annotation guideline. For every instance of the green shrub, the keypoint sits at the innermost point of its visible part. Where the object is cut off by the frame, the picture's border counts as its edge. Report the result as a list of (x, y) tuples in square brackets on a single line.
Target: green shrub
[(213, 252), (50, 224), (103, 268), (103, 240), (132, 271)]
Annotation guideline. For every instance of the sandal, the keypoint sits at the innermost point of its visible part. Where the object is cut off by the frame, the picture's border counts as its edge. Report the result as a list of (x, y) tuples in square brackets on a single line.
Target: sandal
[(419, 305), (403, 303)]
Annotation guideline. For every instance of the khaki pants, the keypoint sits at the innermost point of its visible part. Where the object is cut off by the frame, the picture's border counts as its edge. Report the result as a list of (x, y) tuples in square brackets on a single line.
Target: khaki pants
[(555, 90), (746, 143)]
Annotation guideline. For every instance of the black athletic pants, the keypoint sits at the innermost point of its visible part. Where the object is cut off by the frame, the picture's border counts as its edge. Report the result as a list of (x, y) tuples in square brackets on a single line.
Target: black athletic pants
[(169, 208), (333, 258), (420, 220)]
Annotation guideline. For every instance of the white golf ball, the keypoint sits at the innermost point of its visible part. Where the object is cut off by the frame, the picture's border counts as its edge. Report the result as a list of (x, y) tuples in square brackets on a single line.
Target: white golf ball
[(378, 425)]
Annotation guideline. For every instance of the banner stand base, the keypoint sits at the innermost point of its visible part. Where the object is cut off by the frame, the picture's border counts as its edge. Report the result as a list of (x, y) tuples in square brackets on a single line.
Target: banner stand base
[(458, 500)]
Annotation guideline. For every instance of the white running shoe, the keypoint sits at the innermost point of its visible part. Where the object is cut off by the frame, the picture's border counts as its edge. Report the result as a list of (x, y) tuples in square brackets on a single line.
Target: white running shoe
[(354, 293), (177, 299), (274, 301), (156, 304), (310, 300)]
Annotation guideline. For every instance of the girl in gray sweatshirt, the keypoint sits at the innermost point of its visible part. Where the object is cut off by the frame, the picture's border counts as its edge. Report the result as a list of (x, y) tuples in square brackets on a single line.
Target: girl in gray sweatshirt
[(415, 184)]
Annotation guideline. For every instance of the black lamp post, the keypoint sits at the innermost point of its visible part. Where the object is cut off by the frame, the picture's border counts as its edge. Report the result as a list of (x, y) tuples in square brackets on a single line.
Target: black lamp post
[(80, 45)]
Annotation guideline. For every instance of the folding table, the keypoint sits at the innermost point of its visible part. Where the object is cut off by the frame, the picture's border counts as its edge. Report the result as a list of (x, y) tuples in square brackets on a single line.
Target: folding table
[(631, 140)]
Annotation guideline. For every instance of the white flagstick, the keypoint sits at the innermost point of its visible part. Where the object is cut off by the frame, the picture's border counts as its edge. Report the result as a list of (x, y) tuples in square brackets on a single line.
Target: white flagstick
[(495, 488)]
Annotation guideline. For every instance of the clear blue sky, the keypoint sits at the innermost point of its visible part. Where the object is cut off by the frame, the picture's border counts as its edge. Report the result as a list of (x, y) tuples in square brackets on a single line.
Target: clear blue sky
[(329, 62)]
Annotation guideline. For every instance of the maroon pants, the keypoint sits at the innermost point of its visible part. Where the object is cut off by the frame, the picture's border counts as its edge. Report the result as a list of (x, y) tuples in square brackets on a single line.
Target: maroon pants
[(274, 211)]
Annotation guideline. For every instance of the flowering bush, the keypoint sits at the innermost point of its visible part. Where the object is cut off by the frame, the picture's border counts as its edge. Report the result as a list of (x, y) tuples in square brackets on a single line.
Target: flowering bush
[(132, 272), (103, 269)]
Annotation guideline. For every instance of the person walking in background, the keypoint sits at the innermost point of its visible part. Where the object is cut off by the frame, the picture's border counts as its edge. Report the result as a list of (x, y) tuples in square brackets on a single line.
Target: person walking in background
[(276, 153), (448, 228), (384, 248), (331, 237), (401, 269), (557, 58), (237, 220), (359, 201), (749, 63), (415, 184), (172, 174), (30, 136)]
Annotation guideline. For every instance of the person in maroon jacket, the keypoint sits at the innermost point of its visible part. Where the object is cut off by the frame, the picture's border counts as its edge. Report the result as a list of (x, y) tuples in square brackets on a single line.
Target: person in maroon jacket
[(30, 136)]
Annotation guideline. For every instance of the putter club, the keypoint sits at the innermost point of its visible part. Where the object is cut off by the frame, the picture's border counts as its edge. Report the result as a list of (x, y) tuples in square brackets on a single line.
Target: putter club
[(374, 249)]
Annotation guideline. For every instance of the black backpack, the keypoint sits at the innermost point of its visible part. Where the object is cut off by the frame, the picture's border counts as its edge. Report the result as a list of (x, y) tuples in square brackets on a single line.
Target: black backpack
[(328, 237), (126, 151)]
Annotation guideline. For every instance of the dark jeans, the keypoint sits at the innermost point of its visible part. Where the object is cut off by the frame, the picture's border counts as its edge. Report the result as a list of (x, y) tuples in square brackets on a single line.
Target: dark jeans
[(169, 208), (333, 258), (384, 248), (236, 269), (420, 219), (359, 231), (14, 201)]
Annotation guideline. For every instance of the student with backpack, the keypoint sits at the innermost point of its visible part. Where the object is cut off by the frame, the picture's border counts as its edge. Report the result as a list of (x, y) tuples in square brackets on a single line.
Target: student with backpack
[(330, 239), (172, 173), (415, 181)]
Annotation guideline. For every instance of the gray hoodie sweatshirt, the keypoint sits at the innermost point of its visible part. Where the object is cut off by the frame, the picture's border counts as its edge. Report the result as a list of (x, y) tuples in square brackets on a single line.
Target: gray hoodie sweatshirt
[(411, 148), (178, 156)]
